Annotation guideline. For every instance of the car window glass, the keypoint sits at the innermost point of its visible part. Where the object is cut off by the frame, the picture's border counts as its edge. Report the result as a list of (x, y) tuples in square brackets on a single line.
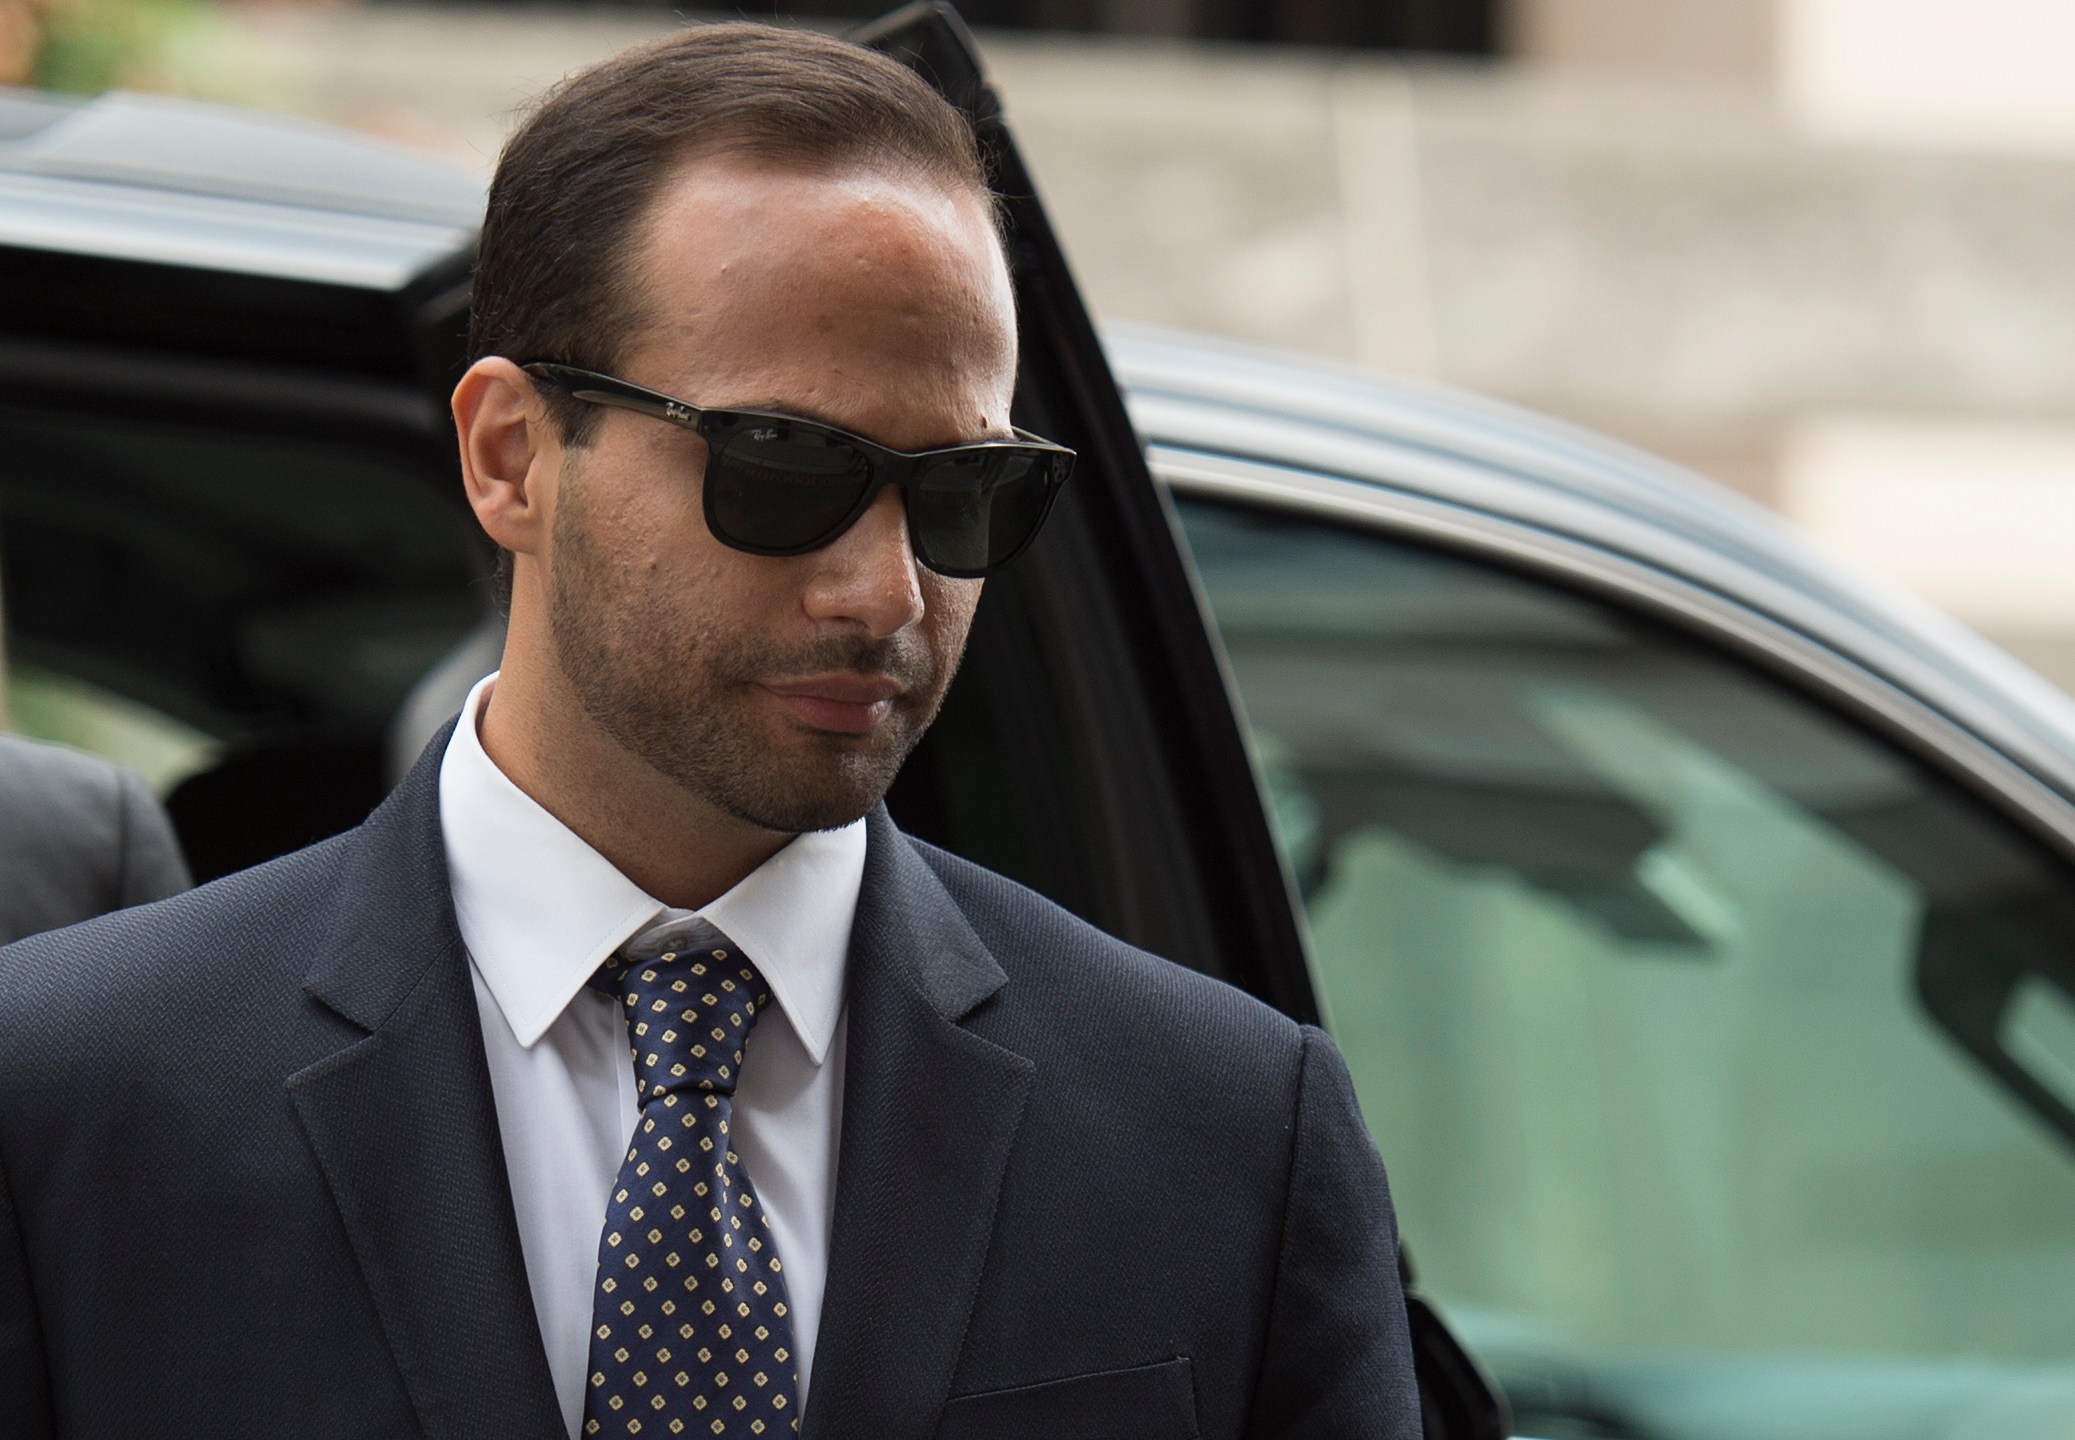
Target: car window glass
[(1621, 940), (261, 597), (48, 705), (240, 574)]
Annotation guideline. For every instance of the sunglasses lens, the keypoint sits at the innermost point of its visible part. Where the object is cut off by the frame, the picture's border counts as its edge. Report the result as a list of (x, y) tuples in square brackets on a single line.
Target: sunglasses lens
[(773, 486), (782, 487), (969, 512)]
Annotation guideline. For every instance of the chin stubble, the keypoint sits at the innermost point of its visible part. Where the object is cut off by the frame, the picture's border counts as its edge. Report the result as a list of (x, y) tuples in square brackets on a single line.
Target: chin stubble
[(679, 696)]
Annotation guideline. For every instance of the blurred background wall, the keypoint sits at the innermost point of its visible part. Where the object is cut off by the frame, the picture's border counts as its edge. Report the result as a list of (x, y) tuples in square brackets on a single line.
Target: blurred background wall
[(1819, 250)]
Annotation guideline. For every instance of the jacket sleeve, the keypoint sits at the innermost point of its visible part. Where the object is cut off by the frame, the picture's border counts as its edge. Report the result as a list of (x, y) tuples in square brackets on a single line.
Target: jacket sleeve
[(1338, 1357), (152, 865), (25, 1409)]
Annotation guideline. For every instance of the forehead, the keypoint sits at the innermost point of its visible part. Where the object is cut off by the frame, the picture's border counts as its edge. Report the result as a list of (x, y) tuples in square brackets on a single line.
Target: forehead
[(738, 256)]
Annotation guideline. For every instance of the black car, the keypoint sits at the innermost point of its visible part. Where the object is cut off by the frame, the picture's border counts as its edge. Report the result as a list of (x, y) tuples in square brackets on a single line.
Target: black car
[(1697, 919)]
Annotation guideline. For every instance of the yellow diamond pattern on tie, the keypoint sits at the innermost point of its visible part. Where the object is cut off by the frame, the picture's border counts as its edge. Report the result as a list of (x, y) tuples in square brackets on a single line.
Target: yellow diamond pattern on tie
[(691, 1333)]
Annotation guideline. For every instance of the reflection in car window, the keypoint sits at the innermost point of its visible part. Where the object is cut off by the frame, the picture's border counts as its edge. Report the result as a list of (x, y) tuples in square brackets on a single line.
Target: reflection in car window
[(239, 578), (268, 592), (46, 705), (1620, 938)]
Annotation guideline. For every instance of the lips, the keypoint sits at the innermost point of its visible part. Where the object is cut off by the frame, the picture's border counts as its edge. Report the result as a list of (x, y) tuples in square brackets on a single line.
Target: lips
[(846, 704)]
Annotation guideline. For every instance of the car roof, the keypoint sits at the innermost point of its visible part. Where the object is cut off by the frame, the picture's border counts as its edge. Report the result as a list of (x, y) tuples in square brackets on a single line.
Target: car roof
[(168, 181), (1190, 395)]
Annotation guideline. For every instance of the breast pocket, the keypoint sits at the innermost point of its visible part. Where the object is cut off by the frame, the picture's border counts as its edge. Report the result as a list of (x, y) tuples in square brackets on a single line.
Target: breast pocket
[(1145, 1402)]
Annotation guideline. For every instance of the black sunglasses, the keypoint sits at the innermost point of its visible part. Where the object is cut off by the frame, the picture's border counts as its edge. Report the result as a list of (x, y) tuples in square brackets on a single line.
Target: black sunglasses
[(776, 485)]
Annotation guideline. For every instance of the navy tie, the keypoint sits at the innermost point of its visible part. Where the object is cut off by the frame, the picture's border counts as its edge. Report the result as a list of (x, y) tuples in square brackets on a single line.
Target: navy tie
[(690, 1330)]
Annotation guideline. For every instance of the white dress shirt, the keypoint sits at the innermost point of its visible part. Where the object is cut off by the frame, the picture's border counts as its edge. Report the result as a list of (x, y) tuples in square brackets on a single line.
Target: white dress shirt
[(539, 911)]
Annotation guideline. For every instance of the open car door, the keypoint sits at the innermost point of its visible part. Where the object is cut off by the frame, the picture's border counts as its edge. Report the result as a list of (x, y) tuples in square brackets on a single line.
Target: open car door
[(1092, 746)]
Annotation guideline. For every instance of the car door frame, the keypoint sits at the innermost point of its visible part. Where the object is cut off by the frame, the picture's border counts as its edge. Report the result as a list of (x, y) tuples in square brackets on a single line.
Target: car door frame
[(1197, 873), (1195, 847)]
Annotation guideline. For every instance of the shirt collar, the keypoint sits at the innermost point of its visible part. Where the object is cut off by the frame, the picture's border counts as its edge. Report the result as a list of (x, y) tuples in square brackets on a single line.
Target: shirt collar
[(540, 910)]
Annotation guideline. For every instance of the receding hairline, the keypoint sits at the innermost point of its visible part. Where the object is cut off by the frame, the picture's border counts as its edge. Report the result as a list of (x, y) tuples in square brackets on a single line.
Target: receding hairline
[(775, 95), (639, 247)]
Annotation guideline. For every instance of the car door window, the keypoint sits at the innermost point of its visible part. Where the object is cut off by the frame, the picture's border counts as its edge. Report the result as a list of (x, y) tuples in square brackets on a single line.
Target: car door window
[(1620, 937), (234, 601), (50, 705)]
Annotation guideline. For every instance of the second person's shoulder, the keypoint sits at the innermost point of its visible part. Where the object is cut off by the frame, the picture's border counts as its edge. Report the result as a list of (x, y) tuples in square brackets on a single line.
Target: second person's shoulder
[(248, 929)]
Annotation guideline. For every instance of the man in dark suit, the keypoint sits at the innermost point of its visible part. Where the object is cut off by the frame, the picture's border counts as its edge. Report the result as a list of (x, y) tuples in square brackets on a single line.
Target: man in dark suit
[(341, 1146)]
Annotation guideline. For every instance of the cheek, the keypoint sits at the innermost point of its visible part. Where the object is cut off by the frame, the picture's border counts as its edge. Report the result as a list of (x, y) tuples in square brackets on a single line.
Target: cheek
[(653, 533), (619, 557), (948, 607), (660, 470)]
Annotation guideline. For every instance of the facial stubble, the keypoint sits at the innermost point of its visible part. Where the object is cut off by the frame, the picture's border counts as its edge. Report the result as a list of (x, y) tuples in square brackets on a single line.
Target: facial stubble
[(682, 696)]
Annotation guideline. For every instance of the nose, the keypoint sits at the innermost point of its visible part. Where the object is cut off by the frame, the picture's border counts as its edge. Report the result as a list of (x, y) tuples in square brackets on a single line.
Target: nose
[(869, 575)]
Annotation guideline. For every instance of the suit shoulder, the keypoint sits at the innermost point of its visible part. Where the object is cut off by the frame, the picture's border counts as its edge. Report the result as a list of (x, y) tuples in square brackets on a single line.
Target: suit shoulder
[(38, 768), (1070, 968), (74, 798), (255, 918)]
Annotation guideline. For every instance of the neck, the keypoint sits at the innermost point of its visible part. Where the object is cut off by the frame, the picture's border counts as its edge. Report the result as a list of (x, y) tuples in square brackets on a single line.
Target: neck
[(674, 844)]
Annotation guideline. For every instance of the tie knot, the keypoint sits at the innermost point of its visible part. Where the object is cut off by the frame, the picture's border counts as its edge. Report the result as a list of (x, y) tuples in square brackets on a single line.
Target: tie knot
[(689, 1014)]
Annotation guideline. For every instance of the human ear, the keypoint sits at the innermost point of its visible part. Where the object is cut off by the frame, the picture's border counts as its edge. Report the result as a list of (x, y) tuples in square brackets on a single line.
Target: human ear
[(510, 452)]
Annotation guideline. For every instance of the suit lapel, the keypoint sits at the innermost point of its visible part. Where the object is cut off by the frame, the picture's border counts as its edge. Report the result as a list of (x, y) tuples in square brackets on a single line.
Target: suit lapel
[(404, 1128), (930, 1114)]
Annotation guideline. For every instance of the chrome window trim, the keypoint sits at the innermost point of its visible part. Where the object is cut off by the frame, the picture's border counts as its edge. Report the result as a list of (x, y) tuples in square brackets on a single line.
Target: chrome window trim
[(1920, 729), (1194, 396)]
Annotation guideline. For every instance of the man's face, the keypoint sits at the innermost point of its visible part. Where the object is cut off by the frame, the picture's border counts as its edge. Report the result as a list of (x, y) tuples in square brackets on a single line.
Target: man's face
[(784, 691)]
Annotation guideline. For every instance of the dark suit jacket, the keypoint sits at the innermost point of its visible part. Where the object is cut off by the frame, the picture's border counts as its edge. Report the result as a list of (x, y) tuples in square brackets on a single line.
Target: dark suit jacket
[(251, 1182), (78, 837)]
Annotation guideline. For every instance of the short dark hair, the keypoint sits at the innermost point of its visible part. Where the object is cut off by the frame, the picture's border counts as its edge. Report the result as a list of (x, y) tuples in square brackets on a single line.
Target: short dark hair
[(574, 182), (554, 264)]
